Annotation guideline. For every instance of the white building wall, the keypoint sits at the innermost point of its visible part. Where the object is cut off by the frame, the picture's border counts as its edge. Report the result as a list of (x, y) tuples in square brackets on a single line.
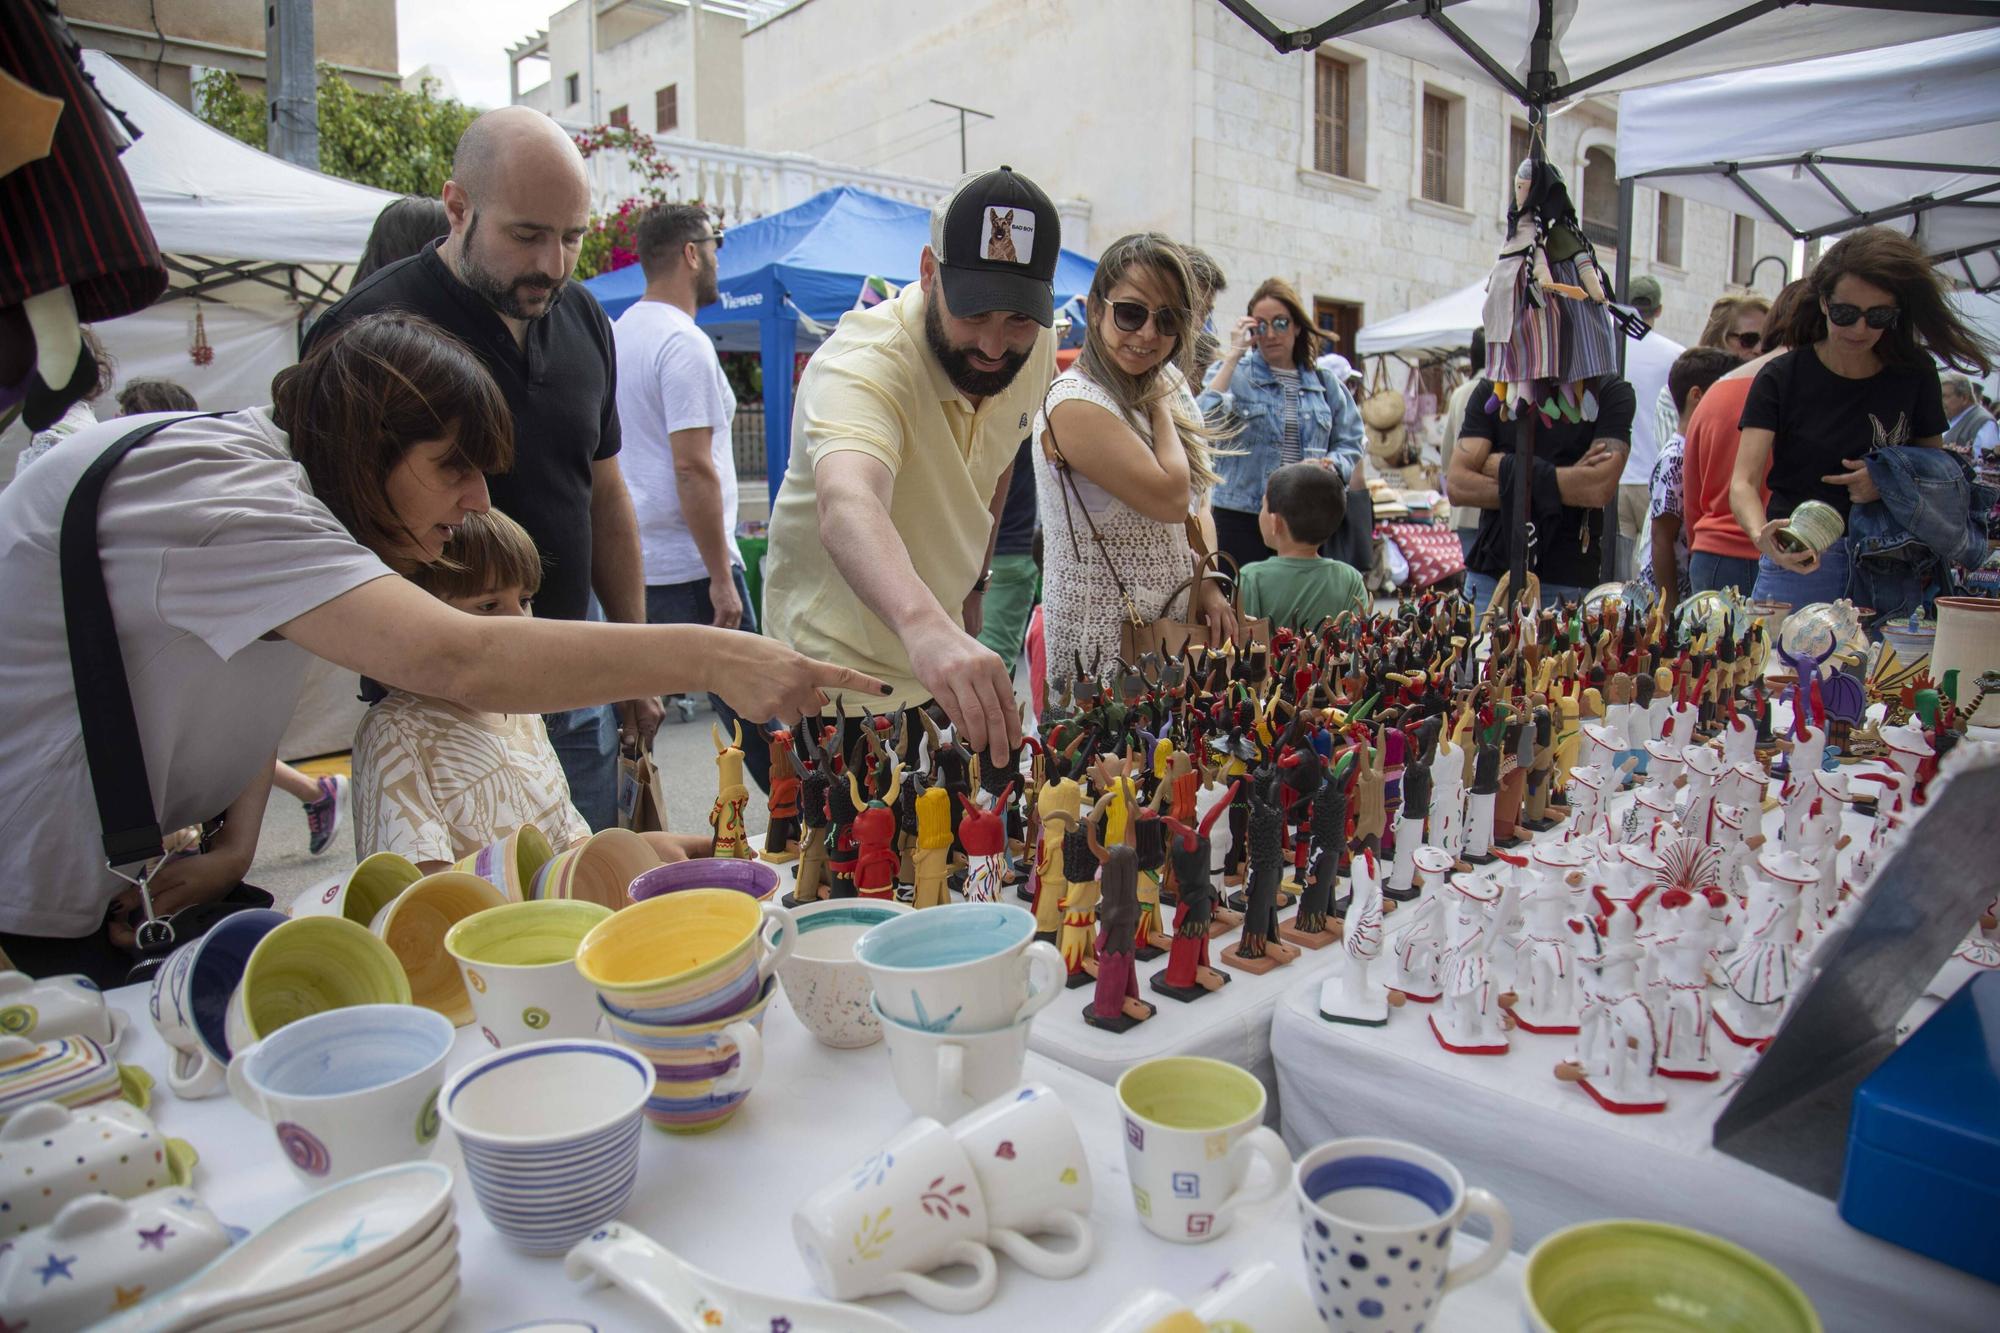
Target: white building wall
[(706, 69)]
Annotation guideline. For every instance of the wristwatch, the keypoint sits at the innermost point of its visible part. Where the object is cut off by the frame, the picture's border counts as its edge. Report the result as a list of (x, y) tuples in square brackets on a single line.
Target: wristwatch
[(985, 577)]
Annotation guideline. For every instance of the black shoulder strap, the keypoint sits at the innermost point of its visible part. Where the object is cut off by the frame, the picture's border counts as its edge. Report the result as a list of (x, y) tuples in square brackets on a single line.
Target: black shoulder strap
[(103, 695)]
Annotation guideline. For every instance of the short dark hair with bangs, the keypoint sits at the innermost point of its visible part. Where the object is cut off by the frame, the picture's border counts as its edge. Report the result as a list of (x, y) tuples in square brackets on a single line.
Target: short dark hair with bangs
[(369, 394), (489, 552)]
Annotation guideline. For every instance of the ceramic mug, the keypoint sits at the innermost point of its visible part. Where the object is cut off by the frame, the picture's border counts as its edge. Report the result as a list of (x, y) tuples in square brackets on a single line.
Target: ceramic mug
[(61, 1006), (509, 864), (704, 1070), (1619, 1274), (946, 1074), (519, 963), (190, 999), (687, 958), (1192, 1127), (307, 966), (550, 1132), (350, 1090), (85, 1264), (755, 878), (1031, 1167), (961, 967), (414, 923), (368, 888), (910, 1208), (1377, 1218), (826, 984)]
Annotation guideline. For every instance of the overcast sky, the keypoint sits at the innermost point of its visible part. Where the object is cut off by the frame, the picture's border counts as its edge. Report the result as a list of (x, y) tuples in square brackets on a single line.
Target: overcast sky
[(470, 40)]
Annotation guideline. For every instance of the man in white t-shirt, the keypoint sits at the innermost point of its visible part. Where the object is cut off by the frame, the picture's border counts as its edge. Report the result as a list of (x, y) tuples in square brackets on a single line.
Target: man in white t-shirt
[(676, 409), (1647, 362)]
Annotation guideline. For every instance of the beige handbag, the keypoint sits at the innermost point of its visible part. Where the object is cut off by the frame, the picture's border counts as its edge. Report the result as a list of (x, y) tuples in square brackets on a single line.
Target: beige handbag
[(1382, 417)]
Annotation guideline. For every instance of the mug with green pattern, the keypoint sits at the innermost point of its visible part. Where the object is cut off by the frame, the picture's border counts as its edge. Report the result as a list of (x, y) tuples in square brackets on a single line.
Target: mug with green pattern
[(519, 964)]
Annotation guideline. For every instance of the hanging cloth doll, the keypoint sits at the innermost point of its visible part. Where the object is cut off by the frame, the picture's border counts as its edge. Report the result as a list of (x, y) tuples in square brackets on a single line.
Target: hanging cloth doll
[(1550, 331)]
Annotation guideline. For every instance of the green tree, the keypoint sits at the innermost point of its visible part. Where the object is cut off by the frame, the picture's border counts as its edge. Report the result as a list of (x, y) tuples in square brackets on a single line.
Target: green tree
[(393, 140)]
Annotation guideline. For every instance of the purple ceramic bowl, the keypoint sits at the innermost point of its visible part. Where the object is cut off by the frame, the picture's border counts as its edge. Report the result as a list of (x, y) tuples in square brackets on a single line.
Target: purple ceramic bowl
[(755, 878)]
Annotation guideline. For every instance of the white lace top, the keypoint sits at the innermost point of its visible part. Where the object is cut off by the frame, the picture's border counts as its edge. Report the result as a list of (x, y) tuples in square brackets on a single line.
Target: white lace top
[(1081, 605)]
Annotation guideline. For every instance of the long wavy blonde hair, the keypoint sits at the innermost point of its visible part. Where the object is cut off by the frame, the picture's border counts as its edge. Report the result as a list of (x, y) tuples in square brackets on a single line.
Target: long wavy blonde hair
[(1135, 394)]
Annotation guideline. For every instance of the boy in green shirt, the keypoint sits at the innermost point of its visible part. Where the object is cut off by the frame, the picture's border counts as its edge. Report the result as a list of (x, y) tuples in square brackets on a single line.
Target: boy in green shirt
[(1304, 505)]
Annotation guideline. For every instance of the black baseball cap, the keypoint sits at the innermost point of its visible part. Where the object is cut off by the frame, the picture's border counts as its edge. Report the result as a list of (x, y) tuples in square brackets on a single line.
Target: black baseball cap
[(996, 237)]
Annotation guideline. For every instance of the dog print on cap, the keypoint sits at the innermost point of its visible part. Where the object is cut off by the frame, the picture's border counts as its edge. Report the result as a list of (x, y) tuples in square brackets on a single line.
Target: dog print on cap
[(1009, 235)]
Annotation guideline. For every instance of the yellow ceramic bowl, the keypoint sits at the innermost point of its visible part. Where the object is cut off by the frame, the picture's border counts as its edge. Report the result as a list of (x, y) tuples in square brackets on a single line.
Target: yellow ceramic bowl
[(524, 934), (671, 941), (510, 864), (597, 870), (314, 964), (414, 925)]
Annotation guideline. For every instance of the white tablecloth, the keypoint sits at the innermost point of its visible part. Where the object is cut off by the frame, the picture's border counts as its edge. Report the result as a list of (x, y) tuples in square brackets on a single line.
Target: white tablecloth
[(724, 1200), (1555, 1159)]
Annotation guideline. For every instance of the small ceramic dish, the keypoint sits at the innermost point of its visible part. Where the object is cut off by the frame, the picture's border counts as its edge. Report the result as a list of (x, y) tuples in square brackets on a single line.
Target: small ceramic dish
[(430, 1321), (74, 1071), (64, 1006), (1667, 1279), (84, 1265), (397, 1284), (51, 1153)]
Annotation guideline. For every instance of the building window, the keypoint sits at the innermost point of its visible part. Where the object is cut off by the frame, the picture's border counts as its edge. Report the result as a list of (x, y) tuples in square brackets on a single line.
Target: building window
[(667, 109), (1519, 147), (621, 116), (571, 93), (1600, 196), (1672, 223), (1340, 321), (1437, 149), (1333, 139), (1742, 249)]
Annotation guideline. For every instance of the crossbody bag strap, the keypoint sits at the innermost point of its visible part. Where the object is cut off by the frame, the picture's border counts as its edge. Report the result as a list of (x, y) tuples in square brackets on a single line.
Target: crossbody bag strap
[(97, 664)]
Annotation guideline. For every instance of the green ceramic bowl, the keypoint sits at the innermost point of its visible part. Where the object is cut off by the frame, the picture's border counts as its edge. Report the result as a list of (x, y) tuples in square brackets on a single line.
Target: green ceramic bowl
[(1648, 1277)]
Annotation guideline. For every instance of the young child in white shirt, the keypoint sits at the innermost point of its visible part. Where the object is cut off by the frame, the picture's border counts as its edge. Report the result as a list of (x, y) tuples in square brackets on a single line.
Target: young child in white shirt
[(435, 782)]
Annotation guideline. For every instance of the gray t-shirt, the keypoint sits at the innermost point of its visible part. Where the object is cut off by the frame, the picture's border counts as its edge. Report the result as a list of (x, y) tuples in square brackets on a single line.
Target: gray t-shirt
[(211, 539)]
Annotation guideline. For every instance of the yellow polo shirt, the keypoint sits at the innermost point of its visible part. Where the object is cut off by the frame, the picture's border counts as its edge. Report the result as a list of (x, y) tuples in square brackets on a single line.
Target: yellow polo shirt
[(874, 388)]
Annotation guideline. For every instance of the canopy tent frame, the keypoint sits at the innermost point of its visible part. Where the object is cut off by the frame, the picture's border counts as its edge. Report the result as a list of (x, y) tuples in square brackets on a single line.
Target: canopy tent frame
[(1540, 88), (207, 277)]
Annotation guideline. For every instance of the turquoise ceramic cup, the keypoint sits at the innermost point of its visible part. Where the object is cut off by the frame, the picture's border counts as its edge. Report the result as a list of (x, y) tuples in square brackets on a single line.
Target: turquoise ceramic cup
[(962, 967)]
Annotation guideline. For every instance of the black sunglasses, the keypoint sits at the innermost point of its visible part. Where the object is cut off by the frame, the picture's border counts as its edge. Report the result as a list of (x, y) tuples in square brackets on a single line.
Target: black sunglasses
[(1131, 316), (1748, 341), (1878, 316), (715, 236)]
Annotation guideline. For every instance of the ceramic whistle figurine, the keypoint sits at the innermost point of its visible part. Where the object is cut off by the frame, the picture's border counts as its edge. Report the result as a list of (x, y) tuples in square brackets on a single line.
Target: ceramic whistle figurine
[(1351, 997), (781, 833), (1115, 1006), (1704, 773), (1447, 816), (875, 861), (1479, 804), (933, 850), (1415, 946), (1617, 1046), (1588, 789), (983, 835), (725, 817), (1187, 975), (1260, 947), (1759, 971), (1544, 996), (1680, 985), (1469, 1019)]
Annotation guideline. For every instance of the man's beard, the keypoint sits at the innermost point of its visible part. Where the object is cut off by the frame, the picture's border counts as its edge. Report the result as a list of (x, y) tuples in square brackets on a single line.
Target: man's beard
[(707, 288), (957, 363), (504, 294)]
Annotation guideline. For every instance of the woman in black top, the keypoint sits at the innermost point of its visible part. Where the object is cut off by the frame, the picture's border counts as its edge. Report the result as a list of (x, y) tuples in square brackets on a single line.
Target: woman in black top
[(1859, 378)]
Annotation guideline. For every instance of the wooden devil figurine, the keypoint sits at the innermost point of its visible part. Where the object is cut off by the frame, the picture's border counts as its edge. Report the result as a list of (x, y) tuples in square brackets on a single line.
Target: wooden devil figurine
[(781, 836), (1187, 975), (875, 836), (983, 835), (1260, 948), (815, 820), (1116, 1005), (933, 849), (725, 817)]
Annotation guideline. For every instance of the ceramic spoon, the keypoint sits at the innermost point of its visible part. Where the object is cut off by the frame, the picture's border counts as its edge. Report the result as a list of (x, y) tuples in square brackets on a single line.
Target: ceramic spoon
[(328, 1239), (690, 1299)]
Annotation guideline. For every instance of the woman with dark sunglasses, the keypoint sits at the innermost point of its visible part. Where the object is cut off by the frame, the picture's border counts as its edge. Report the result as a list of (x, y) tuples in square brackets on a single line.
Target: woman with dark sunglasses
[(1859, 378), (1284, 410)]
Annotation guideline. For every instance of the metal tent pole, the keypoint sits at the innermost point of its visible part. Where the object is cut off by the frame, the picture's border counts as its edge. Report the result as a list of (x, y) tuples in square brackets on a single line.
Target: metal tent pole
[(1540, 81), (1627, 195)]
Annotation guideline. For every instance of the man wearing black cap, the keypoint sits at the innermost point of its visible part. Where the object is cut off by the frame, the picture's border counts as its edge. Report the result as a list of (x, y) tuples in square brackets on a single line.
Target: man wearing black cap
[(903, 443)]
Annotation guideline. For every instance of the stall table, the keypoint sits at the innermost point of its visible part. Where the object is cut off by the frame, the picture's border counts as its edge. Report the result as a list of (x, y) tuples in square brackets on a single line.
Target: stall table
[(724, 1200)]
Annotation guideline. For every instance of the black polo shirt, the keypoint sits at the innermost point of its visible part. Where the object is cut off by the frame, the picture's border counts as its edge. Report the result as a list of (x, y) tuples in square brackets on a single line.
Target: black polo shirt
[(562, 387)]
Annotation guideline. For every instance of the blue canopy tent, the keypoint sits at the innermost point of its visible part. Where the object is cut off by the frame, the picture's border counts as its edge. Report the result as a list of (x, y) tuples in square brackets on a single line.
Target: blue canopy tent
[(786, 280)]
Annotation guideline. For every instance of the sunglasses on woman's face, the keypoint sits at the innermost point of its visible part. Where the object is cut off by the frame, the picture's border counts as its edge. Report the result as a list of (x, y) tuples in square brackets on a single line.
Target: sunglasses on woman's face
[(1747, 341), (1878, 316), (1278, 325), (1131, 316)]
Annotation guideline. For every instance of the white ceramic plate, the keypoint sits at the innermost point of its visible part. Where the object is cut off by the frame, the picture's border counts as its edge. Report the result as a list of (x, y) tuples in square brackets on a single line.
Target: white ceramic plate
[(430, 1321), (338, 1308)]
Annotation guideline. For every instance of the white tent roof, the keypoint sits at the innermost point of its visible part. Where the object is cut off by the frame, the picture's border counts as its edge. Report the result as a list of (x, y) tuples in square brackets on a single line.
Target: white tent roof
[(1445, 324), (217, 205), (1828, 145), (1605, 45)]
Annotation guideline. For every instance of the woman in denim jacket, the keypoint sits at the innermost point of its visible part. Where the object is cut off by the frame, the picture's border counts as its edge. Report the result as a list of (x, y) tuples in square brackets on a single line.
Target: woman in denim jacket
[(1284, 410)]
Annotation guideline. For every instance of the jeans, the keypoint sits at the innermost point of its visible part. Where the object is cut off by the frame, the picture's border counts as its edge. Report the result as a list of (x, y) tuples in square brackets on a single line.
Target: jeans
[(586, 744), (1825, 584), (688, 604), (1009, 600), (1479, 587), (1709, 572)]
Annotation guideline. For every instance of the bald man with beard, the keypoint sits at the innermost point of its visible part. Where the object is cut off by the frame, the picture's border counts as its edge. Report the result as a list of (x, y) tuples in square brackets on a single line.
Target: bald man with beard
[(518, 202)]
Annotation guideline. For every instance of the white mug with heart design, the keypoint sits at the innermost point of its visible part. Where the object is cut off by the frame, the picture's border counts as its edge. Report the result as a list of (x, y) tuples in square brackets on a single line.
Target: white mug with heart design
[(913, 1207), (1031, 1167)]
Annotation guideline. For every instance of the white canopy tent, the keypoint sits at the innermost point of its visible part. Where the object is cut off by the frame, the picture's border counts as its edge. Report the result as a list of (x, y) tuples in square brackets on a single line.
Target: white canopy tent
[(1909, 135), (1444, 325)]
